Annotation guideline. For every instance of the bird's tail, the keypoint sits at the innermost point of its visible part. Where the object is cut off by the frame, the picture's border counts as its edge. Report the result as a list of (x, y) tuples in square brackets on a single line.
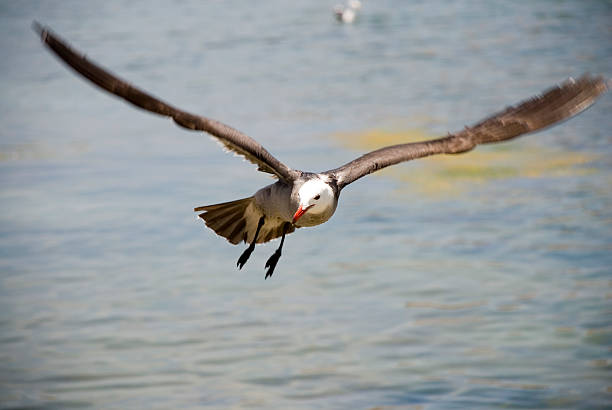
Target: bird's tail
[(228, 219)]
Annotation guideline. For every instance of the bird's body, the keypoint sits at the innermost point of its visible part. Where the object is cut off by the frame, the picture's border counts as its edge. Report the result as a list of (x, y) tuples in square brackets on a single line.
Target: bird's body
[(278, 202), (303, 199), (347, 13), (281, 200), (344, 15)]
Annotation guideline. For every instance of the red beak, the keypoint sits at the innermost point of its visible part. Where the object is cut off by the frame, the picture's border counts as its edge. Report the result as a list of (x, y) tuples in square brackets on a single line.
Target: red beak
[(301, 211)]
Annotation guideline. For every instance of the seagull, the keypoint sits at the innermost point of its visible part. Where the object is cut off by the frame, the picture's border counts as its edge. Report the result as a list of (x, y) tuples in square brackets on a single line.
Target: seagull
[(344, 15), (347, 14), (302, 199)]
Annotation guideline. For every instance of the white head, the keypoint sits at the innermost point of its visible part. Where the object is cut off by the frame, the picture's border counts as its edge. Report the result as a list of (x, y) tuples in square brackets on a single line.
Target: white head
[(316, 196)]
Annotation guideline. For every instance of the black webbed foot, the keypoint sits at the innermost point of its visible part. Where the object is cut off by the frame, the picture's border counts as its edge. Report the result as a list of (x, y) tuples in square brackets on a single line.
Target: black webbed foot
[(271, 263), (247, 252), (273, 260), (245, 256)]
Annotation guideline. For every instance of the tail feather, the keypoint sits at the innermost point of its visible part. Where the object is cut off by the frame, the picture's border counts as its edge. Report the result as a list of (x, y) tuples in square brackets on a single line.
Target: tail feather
[(238, 233), (222, 223), (223, 205), (237, 221), (228, 219)]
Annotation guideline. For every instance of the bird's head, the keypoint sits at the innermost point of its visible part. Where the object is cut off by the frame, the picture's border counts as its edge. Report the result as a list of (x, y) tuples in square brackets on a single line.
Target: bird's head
[(316, 197)]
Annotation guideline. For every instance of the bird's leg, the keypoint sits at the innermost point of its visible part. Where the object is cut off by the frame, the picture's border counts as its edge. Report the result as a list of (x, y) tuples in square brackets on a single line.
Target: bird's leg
[(247, 252), (273, 260)]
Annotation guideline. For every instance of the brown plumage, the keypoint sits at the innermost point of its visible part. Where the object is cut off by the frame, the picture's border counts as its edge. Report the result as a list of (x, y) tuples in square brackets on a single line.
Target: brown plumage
[(552, 106), (231, 138), (227, 219), (230, 220)]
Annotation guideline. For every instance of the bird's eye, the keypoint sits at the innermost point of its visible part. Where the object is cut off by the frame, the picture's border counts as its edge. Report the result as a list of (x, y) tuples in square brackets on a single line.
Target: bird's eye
[(317, 197)]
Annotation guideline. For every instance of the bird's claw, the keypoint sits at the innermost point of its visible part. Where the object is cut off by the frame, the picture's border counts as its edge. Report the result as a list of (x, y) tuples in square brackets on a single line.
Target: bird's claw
[(271, 263), (244, 257)]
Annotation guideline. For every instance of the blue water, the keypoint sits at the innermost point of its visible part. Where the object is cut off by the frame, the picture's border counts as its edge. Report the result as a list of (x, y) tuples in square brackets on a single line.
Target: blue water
[(477, 282)]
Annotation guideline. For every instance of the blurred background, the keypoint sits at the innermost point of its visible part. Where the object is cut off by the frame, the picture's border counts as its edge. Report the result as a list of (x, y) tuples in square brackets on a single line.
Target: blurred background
[(480, 280)]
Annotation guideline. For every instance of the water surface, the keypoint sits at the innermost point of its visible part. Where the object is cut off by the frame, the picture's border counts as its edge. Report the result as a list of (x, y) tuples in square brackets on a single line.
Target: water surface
[(465, 282)]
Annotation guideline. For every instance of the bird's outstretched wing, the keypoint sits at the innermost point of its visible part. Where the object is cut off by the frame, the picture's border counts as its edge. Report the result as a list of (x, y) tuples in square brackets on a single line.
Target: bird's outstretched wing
[(554, 105), (231, 138)]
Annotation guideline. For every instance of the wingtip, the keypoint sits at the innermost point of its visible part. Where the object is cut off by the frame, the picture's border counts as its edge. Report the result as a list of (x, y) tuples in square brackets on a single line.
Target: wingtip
[(598, 79), (597, 84), (40, 29), (603, 84)]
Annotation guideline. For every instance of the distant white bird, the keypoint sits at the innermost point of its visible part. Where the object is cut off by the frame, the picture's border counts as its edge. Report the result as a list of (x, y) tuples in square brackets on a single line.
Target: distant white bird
[(348, 13), (298, 198)]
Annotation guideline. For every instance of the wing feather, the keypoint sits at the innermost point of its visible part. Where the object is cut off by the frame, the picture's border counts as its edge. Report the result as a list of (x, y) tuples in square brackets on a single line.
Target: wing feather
[(229, 137), (552, 106)]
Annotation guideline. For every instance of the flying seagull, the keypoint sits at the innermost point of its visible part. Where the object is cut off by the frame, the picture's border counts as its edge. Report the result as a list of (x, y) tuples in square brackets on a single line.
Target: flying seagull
[(348, 13), (298, 198)]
